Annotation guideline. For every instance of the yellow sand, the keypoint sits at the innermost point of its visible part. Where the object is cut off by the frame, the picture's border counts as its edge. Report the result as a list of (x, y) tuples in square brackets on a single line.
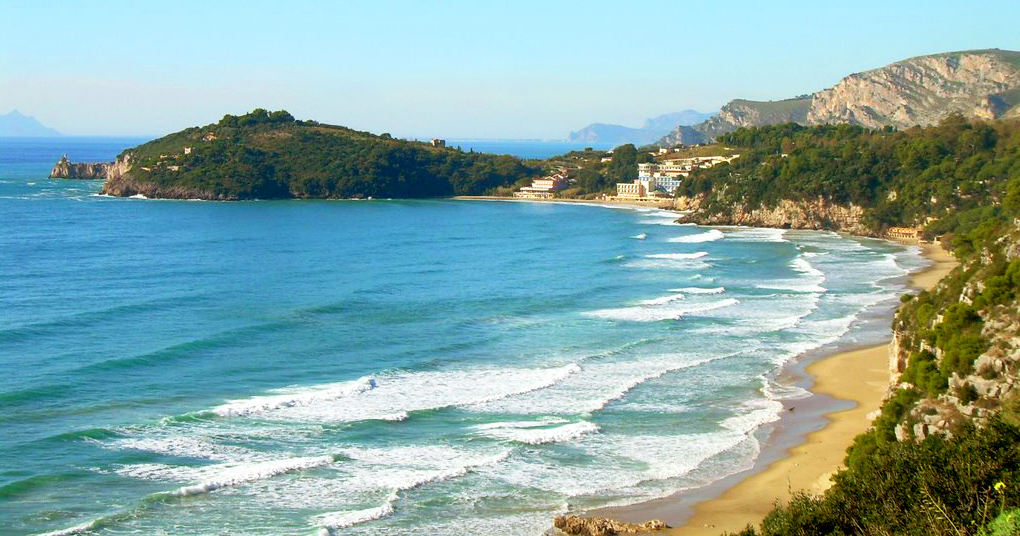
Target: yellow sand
[(860, 376)]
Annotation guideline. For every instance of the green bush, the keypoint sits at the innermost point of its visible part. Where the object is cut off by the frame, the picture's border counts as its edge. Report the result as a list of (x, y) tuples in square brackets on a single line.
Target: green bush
[(937, 486)]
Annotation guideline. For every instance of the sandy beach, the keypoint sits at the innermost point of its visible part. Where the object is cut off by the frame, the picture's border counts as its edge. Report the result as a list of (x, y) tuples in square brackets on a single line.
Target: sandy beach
[(859, 376)]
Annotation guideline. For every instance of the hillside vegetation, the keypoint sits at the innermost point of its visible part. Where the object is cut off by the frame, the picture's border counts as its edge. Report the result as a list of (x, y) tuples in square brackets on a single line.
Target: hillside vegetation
[(271, 155), (943, 456), (940, 177)]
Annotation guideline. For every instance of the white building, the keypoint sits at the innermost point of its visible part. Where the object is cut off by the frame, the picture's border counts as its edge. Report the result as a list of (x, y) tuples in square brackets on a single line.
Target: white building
[(543, 188), (639, 189), (668, 174)]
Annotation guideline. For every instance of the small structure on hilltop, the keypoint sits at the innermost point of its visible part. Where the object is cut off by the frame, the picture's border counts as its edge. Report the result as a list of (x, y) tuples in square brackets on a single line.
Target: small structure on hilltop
[(436, 142)]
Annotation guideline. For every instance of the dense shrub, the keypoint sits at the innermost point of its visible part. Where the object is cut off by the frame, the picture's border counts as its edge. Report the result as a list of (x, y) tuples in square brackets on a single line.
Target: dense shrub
[(937, 486)]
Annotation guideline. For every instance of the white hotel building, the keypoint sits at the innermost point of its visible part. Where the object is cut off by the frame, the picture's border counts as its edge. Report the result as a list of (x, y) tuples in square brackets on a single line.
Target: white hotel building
[(667, 175)]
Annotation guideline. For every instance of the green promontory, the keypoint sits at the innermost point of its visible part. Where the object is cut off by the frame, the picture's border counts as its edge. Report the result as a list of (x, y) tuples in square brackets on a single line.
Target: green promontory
[(270, 155)]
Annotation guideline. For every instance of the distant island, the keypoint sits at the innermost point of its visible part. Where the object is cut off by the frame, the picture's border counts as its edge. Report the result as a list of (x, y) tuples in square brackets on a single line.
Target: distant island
[(16, 124), (272, 155), (653, 129)]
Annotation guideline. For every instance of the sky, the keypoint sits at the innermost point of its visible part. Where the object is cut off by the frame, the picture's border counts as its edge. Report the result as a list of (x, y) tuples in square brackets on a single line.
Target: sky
[(452, 69)]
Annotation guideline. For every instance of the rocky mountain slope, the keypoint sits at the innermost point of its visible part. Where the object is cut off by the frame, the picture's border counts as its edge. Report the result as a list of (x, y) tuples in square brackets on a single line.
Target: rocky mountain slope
[(652, 130), (17, 124), (980, 84)]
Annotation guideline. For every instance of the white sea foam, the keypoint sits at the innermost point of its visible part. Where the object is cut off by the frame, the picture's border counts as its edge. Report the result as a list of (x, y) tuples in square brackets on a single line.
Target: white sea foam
[(185, 446), (246, 473), (755, 234), (810, 282), (708, 236), (641, 236), (602, 383), (699, 290), (540, 436), (294, 398), (677, 256), (548, 421), (657, 313), (333, 521), (663, 300), (138, 196), (88, 526), (405, 392)]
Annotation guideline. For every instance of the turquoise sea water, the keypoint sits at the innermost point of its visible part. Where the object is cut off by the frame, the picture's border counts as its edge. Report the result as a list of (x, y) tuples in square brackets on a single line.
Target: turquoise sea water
[(387, 367)]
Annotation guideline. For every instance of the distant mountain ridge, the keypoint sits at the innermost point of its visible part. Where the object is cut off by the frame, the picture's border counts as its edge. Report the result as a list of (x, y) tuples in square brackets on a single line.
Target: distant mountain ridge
[(979, 84), (16, 124), (651, 131)]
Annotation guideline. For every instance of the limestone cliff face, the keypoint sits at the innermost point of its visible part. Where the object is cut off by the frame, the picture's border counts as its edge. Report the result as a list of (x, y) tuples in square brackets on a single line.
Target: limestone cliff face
[(921, 91), (64, 169), (980, 84), (994, 377), (787, 214)]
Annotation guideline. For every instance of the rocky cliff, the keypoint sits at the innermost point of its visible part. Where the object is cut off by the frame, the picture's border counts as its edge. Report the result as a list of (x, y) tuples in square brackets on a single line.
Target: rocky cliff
[(741, 113), (995, 374), (786, 214), (65, 169), (923, 90), (980, 84)]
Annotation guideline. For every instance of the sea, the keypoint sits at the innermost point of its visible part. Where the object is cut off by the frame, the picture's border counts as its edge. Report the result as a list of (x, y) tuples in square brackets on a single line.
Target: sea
[(390, 367)]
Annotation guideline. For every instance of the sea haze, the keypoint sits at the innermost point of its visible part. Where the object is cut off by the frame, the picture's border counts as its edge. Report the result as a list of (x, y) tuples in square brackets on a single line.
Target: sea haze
[(388, 367)]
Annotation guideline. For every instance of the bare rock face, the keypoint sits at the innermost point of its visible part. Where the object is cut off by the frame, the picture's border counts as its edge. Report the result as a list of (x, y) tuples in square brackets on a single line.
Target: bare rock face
[(65, 169), (789, 214), (979, 84), (601, 526), (921, 91)]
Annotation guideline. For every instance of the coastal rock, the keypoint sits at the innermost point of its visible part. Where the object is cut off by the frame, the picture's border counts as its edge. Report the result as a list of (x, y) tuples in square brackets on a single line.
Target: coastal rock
[(65, 169), (788, 214), (979, 84), (601, 526), (920, 91), (123, 185)]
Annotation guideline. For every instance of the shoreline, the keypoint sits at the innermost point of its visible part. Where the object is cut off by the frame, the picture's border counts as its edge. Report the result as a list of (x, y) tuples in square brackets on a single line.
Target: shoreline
[(803, 450), (663, 205)]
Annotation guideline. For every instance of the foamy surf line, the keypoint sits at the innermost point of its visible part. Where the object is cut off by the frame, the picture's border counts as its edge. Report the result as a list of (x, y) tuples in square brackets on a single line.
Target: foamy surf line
[(333, 521), (655, 313), (708, 236), (677, 256), (540, 436), (391, 397)]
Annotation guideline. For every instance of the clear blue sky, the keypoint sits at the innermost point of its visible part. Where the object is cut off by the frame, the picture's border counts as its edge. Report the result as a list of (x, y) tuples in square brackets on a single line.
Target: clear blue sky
[(488, 69)]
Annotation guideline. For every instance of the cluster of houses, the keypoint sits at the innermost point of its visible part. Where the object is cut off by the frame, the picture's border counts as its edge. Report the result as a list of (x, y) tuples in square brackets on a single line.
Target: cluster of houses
[(544, 188), (655, 181), (660, 179)]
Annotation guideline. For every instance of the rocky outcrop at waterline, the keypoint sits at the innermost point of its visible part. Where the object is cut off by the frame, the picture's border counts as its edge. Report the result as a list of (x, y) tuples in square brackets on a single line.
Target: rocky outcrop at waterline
[(65, 169), (124, 185), (817, 214), (601, 526)]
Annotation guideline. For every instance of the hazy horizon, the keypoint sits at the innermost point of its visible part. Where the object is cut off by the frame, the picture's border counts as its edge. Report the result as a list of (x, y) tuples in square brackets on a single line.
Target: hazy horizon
[(456, 70)]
